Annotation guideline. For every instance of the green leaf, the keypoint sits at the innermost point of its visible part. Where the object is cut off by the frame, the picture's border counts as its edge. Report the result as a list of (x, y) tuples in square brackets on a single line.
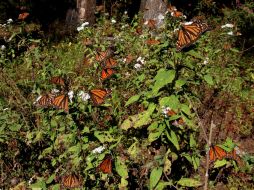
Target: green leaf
[(155, 177), (51, 178), (189, 182), (140, 119), (103, 136), (56, 187), (121, 168), (209, 79), (133, 150), (162, 184), (162, 78), (220, 163), (185, 108), (179, 83), (155, 133), (170, 101), (173, 138), (132, 99), (15, 127), (193, 142)]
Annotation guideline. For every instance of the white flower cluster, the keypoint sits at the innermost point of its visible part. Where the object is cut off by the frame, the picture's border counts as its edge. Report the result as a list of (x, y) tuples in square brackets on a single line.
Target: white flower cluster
[(140, 62), (231, 33), (113, 21), (206, 61), (84, 96), (82, 26), (98, 150), (2, 47)]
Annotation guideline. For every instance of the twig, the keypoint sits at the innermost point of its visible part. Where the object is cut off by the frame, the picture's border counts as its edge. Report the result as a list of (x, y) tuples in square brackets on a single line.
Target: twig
[(207, 156)]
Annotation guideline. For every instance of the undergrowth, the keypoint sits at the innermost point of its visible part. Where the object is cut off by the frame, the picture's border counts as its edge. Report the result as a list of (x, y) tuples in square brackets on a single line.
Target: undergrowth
[(155, 122)]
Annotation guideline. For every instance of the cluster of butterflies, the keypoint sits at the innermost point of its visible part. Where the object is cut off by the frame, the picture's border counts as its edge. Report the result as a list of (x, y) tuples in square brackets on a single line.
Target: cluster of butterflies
[(75, 181), (218, 153)]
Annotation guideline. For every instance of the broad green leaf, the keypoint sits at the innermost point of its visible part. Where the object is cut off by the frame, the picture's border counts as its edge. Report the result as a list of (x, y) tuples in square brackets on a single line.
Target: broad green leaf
[(132, 99), (170, 101), (167, 166), (154, 134), (15, 127), (179, 83), (220, 163), (123, 184), (40, 185), (121, 167), (173, 138), (75, 149), (185, 108), (162, 78), (162, 184), (189, 182), (140, 119), (209, 79), (155, 177), (51, 178), (133, 150), (104, 136), (56, 187), (195, 161)]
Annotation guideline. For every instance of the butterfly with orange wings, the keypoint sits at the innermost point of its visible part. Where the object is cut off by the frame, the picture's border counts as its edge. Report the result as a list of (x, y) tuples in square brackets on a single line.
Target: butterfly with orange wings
[(71, 181), (217, 153), (106, 165), (103, 55), (23, 16), (61, 102), (58, 81), (45, 100), (98, 96), (190, 33), (107, 73), (109, 63)]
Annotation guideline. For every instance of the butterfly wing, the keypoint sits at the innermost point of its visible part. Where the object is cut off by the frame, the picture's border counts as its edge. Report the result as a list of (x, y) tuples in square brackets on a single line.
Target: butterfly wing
[(71, 181), (217, 153), (102, 55), (45, 100), (110, 63), (61, 102), (98, 96), (190, 34), (107, 73), (57, 80), (106, 165)]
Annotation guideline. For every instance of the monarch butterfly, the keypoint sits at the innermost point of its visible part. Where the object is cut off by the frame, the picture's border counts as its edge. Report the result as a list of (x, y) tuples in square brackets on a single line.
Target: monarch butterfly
[(110, 63), (71, 181), (174, 12), (98, 96), (23, 16), (57, 80), (45, 100), (217, 153), (189, 33), (151, 23), (61, 102), (106, 73), (106, 165), (152, 42), (102, 55)]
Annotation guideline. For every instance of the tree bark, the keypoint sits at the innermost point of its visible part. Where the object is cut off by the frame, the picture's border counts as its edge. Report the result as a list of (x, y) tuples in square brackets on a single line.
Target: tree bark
[(86, 10)]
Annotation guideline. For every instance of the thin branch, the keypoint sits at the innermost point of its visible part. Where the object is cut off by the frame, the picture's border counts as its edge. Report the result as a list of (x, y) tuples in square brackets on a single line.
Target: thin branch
[(207, 156)]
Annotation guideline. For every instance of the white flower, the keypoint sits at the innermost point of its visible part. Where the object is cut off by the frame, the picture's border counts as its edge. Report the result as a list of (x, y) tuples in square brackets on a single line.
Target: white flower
[(124, 60), (84, 96), (206, 60), (3, 47), (55, 91), (9, 21), (165, 110), (37, 99), (127, 74), (137, 66), (160, 17), (141, 60), (85, 24), (71, 95), (125, 12), (230, 33), (113, 21), (5, 109), (80, 28), (98, 149), (175, 30), (227, 26)]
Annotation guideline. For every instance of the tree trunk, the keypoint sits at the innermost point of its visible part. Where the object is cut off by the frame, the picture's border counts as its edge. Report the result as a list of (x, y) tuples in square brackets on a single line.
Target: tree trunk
[(154, 8), (86, 10)]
